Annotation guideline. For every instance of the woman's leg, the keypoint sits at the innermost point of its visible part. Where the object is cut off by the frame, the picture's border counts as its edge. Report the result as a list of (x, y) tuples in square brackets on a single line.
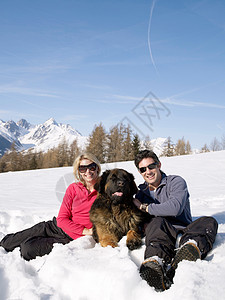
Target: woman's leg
[(47, 229), (39, 246), (13, 240)]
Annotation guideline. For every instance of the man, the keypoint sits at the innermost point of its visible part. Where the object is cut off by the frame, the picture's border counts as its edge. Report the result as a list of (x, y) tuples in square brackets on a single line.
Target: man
[(166, 199)]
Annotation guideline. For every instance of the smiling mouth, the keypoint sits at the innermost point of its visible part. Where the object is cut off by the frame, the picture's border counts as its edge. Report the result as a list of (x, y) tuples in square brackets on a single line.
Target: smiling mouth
[(118, 194), (151, 176)]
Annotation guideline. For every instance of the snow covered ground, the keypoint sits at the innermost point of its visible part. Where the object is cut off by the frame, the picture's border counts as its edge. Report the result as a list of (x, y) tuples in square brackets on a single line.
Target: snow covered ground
[(85, 271)]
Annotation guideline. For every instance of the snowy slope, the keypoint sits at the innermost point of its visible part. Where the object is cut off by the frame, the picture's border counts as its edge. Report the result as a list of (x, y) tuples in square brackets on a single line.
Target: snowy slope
[(82, 269)]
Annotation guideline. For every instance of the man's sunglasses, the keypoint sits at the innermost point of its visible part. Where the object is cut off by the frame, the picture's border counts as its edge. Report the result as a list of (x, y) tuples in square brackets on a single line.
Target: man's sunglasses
[(150, 167), (91, 167)]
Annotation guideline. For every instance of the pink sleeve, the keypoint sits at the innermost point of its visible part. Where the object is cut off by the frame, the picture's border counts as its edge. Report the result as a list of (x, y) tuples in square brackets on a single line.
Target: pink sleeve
[(65, 215)]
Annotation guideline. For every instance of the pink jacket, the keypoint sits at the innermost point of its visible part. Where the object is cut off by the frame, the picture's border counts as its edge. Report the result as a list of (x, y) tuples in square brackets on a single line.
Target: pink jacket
[(73, 215)]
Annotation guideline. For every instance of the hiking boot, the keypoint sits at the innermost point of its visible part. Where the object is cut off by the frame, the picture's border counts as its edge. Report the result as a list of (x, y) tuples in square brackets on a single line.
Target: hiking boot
[(152, 271), (188, 251)]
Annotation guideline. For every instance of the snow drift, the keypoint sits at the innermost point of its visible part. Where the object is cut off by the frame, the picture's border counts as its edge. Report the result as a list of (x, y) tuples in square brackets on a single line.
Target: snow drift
[(83, 269)]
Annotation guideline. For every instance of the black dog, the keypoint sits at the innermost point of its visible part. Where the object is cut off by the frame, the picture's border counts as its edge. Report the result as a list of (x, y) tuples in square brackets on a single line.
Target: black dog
[(113, 213)]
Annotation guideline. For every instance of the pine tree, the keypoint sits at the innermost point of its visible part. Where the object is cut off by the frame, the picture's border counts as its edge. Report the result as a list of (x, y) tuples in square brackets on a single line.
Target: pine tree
[(73, 152), (127, 149), (97, 142), (62, 153), (136, 145), (204, 149), (50, 159), (223, 142), (168, 148), (147, 143), (180, 147), (114, 144), (215, 145), (188, 148), (3, 164), (13, 163)]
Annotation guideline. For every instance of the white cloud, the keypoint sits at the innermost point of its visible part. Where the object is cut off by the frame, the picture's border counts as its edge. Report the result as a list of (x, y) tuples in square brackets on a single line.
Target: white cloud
[(11, 89)]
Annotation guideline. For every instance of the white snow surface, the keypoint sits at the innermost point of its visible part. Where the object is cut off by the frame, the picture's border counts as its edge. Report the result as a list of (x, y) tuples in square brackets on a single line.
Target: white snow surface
[(83, 269)]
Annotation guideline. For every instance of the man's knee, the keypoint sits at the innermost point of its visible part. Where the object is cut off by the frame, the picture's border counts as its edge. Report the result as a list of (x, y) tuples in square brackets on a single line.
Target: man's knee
[(155, 221)]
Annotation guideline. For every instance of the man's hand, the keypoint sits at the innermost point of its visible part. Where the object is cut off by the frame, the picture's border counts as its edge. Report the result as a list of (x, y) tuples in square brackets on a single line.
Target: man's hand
[(141, 206), (137, 203)]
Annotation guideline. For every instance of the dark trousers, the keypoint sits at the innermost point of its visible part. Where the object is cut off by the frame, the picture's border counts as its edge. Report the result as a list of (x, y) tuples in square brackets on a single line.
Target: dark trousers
[(161, 236), (37, 240)]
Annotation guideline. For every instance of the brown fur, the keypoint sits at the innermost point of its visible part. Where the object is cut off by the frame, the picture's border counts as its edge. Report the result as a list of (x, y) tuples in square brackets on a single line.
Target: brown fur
[(115, 215)]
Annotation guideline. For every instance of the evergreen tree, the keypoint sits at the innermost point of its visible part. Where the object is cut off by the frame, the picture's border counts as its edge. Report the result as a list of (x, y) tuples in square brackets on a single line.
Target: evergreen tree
[(215, 145), (114, 144), (223, 142), (97, 142), (147, 143), (50, 159), (204, 149), (73, 152), (180, 148), (127, 149), (188, 148), (13, 163), (168, 148), (136, 145), (62, 153)]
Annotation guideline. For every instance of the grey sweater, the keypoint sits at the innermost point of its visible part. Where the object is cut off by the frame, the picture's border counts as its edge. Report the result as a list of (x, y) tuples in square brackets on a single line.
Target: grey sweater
[(171, 200)]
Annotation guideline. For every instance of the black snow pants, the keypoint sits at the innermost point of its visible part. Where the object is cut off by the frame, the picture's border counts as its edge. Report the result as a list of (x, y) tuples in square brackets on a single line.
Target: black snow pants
[(37, 240), (161, 236)]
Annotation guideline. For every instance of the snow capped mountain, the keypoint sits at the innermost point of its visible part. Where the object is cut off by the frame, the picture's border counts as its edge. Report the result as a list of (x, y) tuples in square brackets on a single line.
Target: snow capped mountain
[(156, 145), (9, 132), (48, 135), (40, 137)]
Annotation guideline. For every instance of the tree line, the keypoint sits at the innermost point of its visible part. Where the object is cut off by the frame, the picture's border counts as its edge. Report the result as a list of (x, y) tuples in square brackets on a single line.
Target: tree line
[(118, 144)]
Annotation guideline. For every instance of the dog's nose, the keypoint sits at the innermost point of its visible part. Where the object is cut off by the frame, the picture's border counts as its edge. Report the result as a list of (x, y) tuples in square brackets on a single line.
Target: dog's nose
[(120, 183)]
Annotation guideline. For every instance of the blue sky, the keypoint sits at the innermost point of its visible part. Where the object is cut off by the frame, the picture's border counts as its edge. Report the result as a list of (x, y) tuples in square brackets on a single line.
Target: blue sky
[(157, 65)]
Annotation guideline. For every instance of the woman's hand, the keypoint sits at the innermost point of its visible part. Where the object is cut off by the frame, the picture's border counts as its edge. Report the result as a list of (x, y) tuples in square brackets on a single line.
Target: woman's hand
[(87, 231)]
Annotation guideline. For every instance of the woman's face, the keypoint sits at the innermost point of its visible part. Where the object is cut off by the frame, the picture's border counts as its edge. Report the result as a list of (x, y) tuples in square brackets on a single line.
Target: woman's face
[(87, 171)]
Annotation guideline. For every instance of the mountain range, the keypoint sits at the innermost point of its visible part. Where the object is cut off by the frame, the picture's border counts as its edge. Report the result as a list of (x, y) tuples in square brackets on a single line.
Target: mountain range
[(38, 137), (46, 136)]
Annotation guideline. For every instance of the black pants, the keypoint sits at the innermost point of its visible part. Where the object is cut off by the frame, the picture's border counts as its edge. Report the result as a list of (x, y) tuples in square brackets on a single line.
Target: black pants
[(37, 240), (161, 236)]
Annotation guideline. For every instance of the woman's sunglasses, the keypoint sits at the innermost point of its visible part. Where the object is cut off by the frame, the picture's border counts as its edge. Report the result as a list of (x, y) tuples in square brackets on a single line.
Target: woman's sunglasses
[(91, 167), (150, 167)]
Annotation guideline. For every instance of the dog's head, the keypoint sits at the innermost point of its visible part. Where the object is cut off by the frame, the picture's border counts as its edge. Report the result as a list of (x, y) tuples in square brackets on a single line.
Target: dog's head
[(117, 184)]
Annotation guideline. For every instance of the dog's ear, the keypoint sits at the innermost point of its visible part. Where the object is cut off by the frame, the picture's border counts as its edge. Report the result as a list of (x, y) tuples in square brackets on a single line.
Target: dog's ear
[(133, 187), (100, 184)]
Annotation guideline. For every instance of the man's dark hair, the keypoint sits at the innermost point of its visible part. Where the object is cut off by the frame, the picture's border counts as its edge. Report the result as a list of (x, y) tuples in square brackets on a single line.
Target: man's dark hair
[(145, 154)]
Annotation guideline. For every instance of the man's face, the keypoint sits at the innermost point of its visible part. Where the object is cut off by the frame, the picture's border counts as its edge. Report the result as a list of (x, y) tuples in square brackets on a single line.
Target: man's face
[(151, 176)]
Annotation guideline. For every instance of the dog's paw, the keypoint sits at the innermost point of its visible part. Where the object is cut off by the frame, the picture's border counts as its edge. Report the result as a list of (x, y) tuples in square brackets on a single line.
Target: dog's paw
[(133, 240), (134, 244), (104, 243)]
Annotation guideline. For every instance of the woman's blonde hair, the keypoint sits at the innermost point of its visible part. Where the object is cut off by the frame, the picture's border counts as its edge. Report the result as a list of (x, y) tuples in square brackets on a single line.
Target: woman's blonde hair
[(77, 161)]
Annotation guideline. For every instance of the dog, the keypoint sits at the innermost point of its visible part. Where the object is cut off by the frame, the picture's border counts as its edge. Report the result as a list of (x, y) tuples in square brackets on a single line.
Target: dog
[(113, 212)]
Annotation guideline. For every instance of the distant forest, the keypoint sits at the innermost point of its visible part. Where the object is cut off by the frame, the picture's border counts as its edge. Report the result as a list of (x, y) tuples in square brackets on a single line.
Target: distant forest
[(119, 144)]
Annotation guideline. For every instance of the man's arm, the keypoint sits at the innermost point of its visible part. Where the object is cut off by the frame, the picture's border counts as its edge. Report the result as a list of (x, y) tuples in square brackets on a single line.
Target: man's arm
[(171, 203)]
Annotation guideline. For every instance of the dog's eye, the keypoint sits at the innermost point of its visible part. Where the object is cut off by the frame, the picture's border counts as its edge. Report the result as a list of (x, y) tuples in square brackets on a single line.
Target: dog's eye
[(113, 178)]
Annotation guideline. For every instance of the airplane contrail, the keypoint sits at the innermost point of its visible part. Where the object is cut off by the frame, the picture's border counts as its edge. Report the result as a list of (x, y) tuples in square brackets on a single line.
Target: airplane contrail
[(149, 35)]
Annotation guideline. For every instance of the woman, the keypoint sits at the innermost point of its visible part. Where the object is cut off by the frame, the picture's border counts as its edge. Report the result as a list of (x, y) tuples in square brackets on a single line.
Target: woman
[(73, 218)]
